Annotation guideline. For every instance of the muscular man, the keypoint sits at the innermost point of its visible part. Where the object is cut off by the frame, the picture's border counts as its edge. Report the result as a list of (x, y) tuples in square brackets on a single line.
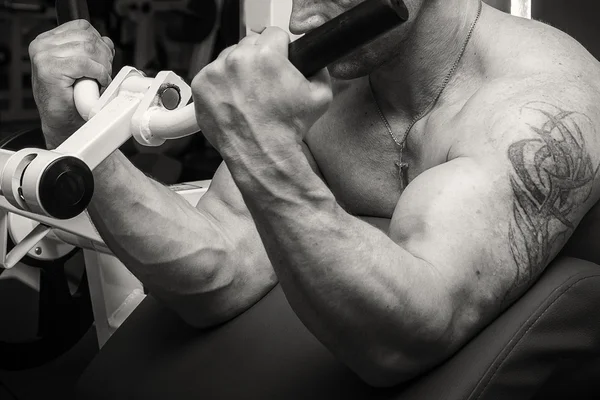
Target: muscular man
[(400, 215)]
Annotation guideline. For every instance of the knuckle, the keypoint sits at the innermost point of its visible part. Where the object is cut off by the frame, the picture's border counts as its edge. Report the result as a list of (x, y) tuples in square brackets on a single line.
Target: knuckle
[(32, 49), (247, 39), (199, 79), (226, 51), (37, 44), (109, 43), (109, 56), (271, 29), (238, 57), (38, 59), (80, 36), (278, 34), (82, 24), (91, 36), (266, 53), (211, 73), (195, 79)]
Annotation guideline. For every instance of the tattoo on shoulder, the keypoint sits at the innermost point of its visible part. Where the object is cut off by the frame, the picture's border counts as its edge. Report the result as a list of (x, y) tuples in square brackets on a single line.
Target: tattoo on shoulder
[(553, 175)]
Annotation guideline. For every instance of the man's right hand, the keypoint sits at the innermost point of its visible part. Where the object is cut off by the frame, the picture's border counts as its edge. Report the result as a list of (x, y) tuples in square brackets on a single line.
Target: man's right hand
[(59, 57)]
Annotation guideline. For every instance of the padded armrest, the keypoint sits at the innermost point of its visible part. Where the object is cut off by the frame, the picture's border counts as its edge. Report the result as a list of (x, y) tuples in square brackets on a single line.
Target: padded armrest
[(266, 353)]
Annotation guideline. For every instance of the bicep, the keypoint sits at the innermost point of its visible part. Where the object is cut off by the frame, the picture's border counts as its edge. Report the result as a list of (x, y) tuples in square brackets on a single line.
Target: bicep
[(471, 221), (455, 217), (492, 220)]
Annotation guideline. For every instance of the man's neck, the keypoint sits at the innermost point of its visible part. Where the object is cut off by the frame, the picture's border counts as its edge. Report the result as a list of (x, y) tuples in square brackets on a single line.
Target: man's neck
[(409, 83)]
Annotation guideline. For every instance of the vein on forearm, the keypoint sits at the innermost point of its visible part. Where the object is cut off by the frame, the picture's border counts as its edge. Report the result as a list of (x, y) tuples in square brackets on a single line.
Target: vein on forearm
[(153, 231)]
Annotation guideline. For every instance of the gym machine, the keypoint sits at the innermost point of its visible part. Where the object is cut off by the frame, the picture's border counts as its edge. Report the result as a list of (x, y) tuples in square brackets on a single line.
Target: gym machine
[(45, 192)]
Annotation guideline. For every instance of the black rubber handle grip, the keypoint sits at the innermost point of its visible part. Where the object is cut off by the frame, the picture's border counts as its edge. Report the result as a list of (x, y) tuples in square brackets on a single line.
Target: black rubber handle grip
[(69, 10), (343, 34)]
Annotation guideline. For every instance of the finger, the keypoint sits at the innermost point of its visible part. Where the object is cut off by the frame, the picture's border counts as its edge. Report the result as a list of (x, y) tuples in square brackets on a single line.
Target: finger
[(109, 43), (100, 54), (75, 68), (249, 40), (75, 25), (82, 36), (275, 38), (89, 43), (48, 38)]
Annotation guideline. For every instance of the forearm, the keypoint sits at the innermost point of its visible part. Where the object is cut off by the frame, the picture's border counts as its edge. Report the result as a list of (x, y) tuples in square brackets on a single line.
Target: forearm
[(152, 230), (174, 249), (360, 293)]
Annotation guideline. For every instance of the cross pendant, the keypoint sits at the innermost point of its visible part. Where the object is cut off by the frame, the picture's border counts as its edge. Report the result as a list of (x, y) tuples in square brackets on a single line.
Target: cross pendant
[(403, 172)]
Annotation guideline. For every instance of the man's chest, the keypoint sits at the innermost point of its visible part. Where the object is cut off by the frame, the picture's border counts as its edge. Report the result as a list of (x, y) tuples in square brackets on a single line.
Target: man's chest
[(360, 161)]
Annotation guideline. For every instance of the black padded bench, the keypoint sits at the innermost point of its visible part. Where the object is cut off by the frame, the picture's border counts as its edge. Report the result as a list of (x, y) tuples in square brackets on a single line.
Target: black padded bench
[(546, 346)]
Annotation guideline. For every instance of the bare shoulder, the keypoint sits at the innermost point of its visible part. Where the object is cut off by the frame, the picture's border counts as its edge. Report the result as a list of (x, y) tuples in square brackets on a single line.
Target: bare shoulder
[(539, 135), (540, 105), (529, 61), (517, 47), (541, 127)]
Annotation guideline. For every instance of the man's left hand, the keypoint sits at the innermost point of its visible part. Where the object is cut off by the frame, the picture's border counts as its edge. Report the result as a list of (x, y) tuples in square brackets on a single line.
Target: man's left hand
[(252, 102)]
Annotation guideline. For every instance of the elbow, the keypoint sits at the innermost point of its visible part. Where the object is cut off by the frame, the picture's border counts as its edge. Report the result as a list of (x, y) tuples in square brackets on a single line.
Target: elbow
[(396, 367), (203, 302), (203, 311), (391, 364), (381, 377), (414, 355), (231, 294), (204, 320)]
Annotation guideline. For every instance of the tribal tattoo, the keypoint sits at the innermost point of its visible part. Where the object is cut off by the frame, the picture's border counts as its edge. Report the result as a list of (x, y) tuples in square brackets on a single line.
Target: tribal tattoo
[(552, 178)]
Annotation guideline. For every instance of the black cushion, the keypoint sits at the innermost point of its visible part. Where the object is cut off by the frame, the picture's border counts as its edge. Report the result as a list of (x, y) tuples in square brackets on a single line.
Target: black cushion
[(266, 353)]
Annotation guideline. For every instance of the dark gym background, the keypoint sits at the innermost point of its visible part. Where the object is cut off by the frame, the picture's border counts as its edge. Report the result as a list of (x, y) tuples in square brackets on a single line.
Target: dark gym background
[(182, 39)]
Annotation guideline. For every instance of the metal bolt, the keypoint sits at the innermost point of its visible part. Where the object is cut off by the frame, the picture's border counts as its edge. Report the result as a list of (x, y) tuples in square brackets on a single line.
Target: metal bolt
[(38, 250), (170, 97)]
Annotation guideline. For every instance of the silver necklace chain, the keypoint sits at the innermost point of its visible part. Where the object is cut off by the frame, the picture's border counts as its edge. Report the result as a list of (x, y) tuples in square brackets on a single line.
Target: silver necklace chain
[(401, 143)]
